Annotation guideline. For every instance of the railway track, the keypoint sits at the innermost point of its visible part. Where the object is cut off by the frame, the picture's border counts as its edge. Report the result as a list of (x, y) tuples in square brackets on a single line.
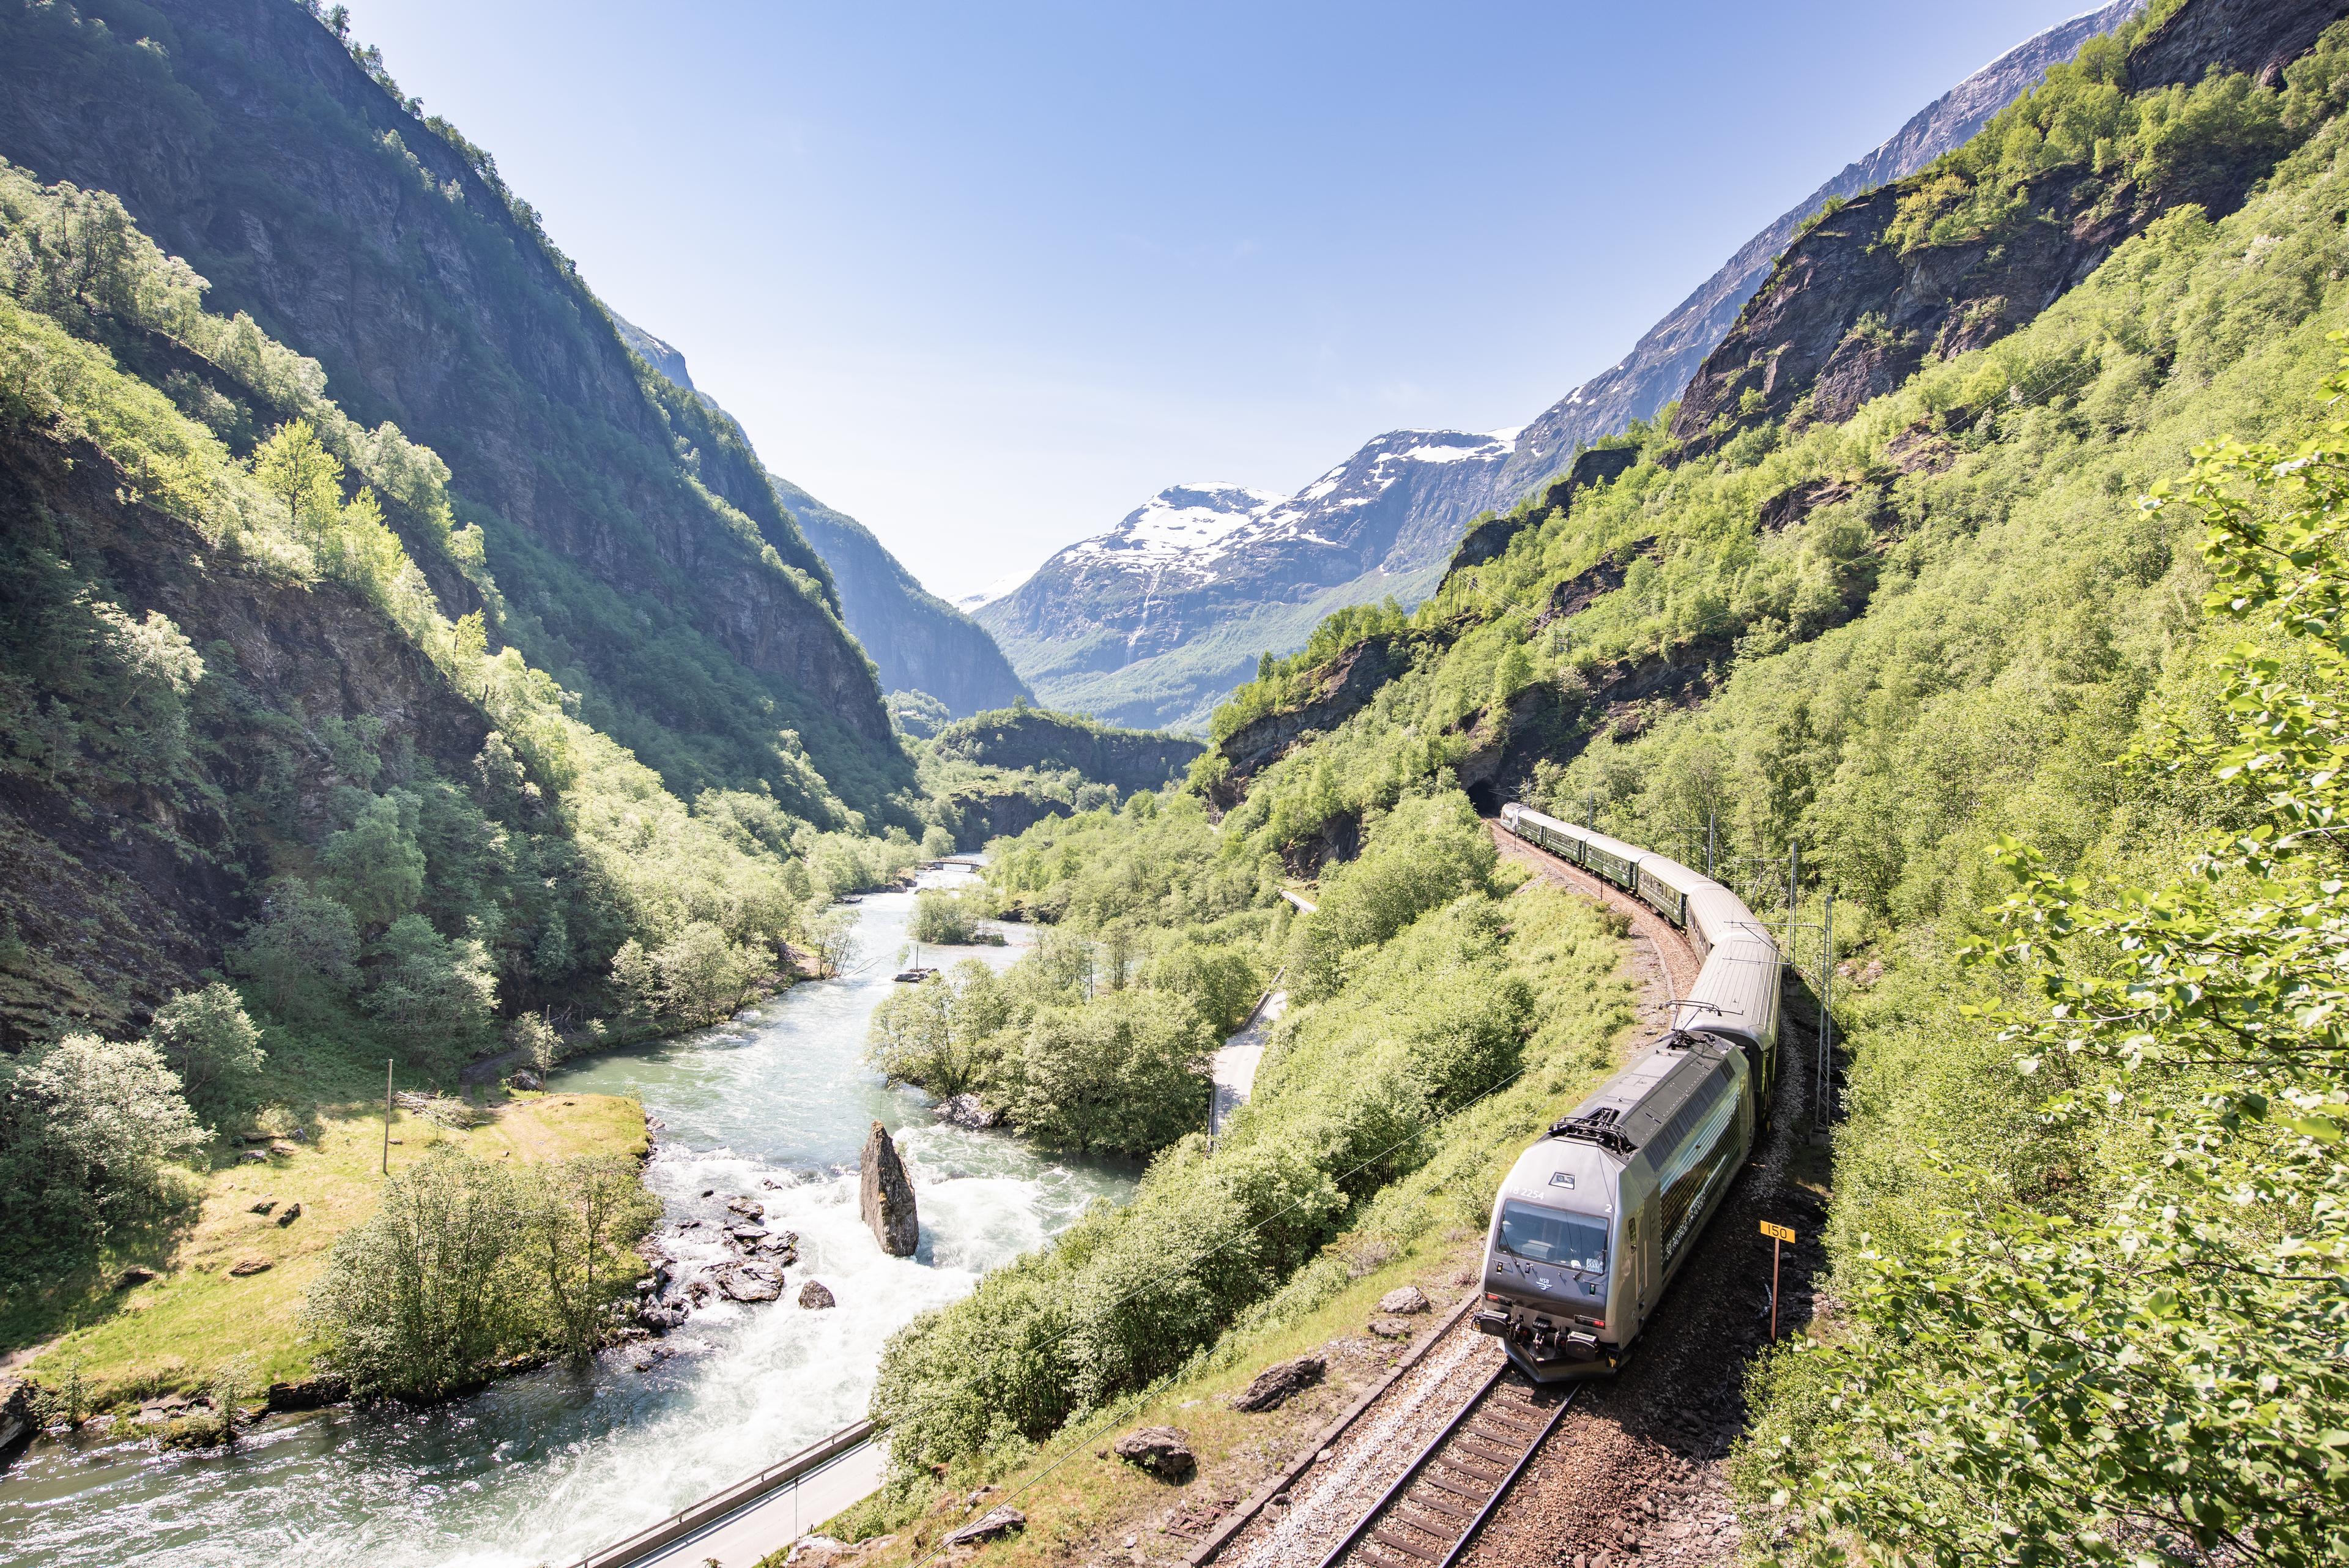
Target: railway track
[(1433, 1509)]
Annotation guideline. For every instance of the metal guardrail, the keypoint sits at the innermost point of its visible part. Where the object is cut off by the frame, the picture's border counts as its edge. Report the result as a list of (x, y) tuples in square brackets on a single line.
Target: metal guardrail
[(741, 1494)]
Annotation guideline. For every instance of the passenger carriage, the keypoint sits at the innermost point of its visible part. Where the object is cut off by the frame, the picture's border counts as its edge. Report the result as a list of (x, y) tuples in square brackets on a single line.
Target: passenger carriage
[(1596, 1219)]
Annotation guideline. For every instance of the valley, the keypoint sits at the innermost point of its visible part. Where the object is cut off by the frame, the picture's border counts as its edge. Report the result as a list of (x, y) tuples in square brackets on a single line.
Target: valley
[(542, 971)]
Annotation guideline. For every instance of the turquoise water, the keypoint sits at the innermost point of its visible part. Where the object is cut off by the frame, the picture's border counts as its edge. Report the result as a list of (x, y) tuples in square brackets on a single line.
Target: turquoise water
[(549, 1466)]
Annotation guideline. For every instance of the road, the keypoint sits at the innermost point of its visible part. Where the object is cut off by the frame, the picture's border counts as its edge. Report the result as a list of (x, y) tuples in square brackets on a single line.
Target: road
[(781, 1517)]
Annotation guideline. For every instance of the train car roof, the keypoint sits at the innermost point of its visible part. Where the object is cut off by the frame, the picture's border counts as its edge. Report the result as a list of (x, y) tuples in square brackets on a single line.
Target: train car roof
[(1588, 1184), (1738, 995), (1650, 1091), (1736, 992)]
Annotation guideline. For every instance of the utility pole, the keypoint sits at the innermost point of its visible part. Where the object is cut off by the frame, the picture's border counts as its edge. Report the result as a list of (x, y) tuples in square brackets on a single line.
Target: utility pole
[(1826, 1017), (1711, 823), (386, 1115), (1794, 890)]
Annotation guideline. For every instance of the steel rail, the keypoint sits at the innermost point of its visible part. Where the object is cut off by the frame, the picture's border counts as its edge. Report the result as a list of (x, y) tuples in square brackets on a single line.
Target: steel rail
[(1434, 1450)]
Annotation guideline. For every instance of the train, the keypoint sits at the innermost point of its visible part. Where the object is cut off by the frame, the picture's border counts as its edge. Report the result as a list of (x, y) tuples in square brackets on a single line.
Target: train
[(1593, 1221)]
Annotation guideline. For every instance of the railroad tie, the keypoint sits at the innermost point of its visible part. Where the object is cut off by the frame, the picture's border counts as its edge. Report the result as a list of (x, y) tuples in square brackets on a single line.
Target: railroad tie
[(1486, 1449), (1395, 1543), (1498, 1434), (1443, 1506), (1437, 1481), (1483, 1469)]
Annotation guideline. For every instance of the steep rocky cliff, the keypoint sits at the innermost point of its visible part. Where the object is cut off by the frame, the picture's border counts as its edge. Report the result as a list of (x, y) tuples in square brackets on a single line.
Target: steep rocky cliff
[(1668, 354), (648, 560), (915, 640), (918, 641), (128, 865), (1877, 287)]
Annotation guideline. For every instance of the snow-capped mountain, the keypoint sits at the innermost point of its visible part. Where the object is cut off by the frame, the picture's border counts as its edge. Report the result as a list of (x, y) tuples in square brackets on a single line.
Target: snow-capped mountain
[(1214, 561), (1153, 622)]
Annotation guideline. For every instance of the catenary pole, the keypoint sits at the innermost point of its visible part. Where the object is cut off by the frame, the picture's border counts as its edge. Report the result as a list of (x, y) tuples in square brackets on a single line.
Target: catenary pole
[(1827, 1017), (386, 1115)]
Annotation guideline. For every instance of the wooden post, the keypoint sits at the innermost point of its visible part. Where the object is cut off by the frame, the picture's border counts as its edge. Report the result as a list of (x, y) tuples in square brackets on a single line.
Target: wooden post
[(1779, 1236), (386, 1115)]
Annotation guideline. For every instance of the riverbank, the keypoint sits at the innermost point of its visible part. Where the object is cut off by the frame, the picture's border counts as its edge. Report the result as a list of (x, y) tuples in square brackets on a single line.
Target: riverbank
[(225, 1284), (553, 1464)]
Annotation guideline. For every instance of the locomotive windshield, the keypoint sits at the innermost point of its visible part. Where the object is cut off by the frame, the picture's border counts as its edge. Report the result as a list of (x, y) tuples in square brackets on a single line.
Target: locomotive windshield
[(1548, 1236)]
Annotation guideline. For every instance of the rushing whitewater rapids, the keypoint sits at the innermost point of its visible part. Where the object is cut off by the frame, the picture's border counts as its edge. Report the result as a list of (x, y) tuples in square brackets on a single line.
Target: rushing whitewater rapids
[(549, 1466)]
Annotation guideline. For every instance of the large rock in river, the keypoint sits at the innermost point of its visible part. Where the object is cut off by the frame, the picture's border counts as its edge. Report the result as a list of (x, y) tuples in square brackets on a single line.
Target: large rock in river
[(886, 1197)]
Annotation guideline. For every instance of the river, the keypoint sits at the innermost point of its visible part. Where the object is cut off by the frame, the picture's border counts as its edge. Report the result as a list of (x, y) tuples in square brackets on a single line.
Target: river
[(545, 1467)]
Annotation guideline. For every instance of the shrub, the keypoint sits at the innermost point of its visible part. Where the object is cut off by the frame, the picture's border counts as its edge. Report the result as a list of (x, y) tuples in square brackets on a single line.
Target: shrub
[(947, 920), (1125, 1073), (206, 1039), (1429, 850)]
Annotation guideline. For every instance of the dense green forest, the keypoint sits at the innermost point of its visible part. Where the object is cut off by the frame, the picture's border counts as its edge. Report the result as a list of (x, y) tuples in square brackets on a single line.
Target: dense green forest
[(2041, 666), (250, 652)]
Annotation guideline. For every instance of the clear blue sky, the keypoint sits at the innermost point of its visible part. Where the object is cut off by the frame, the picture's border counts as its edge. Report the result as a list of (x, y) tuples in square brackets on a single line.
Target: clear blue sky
[(989, 275)]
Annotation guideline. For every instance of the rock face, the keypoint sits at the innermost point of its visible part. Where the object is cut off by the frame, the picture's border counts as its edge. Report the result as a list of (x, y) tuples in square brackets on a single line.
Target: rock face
[(1277, 1386), (1846, 316), (918, 640), (965, 1111), (17, 1420), (886, 1196), (309, 1393), (1155, 620), (1345, 688), (259, 153), (1488, 539), (1668, 353), (993, 1526), (1162, 1452), (2259, 37)]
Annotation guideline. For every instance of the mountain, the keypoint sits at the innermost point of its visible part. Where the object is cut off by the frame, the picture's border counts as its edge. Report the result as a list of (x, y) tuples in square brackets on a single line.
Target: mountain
[(918, 641), (654, 351), (1914, 600), (915, 640), (1154, 621), (644, 560), (403, 736), (1003, 772)]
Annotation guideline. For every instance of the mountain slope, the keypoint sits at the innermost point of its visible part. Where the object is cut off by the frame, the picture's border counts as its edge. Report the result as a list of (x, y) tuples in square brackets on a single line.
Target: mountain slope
[(917, 641), (1153, 622), (1912, 637), (645, 560)]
